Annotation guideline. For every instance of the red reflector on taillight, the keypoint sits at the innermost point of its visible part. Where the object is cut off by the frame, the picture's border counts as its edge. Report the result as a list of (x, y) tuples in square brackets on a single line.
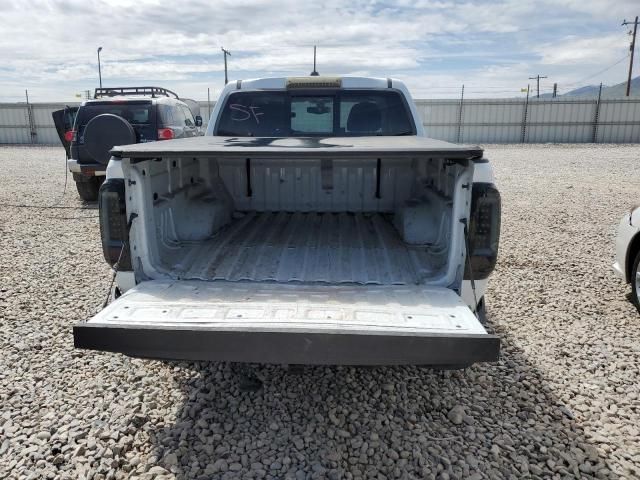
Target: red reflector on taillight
[(165, 134), (69, 134)]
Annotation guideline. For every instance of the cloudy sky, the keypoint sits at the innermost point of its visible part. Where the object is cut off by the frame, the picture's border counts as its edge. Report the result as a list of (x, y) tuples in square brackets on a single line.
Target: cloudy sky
[(492, 46)]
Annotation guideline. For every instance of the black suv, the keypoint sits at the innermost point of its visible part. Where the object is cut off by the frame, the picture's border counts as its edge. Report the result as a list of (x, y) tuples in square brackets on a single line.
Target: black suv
[(119, 116)]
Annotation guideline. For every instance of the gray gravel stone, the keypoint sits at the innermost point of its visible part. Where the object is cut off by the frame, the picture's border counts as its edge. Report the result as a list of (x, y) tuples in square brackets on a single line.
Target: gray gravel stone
[(171, 459), (456, 415), (220, 465)]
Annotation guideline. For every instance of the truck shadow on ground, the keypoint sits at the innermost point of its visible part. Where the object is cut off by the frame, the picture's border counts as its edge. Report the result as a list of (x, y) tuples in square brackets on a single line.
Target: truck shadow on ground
[(488, 421)]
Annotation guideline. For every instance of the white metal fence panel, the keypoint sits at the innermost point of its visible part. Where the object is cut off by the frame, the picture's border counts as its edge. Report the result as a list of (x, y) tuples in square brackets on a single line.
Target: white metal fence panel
[(45, 130), (618, 121), (14, 124), (443, 118), (24, 124), (491, 121), (558, 120)]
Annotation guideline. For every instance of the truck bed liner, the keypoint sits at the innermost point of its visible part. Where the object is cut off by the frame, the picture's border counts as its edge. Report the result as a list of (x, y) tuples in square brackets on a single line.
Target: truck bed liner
[(307, 247)]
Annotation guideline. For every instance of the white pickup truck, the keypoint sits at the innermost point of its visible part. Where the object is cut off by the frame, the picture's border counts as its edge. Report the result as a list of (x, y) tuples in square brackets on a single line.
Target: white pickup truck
[(315, 223)]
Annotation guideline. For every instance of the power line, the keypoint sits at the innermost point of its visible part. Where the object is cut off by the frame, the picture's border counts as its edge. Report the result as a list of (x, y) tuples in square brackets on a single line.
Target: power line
[(606, 69)]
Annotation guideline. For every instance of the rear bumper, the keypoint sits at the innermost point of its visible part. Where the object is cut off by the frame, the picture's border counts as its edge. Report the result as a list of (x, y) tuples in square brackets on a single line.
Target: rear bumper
[(87, 169), (289, 348)]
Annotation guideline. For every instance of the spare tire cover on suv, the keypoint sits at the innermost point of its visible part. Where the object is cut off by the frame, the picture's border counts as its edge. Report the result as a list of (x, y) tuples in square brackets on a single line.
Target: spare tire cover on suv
[(105, 131)]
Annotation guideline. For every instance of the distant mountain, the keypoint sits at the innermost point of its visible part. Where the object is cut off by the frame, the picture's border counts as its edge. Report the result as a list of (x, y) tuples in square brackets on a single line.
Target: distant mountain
[(591, 91), (588, 91), (620, 89)]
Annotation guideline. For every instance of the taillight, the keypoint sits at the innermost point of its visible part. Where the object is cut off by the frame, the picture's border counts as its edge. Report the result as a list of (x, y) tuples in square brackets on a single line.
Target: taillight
[(165, 134), (113, 224), (484, 230), (70, 135)]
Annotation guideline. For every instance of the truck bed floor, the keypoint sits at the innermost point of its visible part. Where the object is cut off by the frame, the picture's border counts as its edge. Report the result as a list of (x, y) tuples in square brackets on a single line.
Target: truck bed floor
[(306, 247)]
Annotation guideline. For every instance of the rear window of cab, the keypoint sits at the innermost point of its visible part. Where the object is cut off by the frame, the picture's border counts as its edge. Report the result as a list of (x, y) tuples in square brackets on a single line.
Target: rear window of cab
[(337, 113)]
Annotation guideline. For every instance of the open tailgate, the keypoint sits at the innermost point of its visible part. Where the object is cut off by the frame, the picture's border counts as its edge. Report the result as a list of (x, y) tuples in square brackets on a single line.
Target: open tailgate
[(290, 324)]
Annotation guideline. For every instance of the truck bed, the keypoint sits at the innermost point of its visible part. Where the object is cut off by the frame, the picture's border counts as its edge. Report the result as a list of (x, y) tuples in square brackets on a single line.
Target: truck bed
[(334, 248)]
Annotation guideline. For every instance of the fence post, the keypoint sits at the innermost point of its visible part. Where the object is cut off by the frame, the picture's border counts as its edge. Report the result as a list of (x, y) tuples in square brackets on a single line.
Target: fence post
[(459, 133), (524, 117), (32, 126), (594, 137), (208, 106)]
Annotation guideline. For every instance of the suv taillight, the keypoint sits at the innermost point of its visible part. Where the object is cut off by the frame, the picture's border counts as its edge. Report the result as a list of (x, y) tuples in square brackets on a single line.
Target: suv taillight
[(70, 135), (165, 134), (484, 230), (113, 224)]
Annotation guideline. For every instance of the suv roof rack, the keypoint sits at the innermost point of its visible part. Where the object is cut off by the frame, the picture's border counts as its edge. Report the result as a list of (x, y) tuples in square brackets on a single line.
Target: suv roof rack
[(115, 91)]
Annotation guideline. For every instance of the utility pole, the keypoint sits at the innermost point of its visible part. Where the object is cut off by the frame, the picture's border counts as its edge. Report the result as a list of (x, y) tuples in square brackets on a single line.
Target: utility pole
[(537, 78), (315, 72), (99, 70), (632, 48), (225, 52)]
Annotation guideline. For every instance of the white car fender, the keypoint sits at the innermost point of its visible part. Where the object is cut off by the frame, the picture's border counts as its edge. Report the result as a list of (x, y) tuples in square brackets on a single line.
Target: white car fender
[(628, 228)]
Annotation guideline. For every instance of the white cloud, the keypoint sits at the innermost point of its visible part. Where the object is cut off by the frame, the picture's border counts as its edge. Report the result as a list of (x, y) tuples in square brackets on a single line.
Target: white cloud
[(50, 46), (580, 51), (614, 10)]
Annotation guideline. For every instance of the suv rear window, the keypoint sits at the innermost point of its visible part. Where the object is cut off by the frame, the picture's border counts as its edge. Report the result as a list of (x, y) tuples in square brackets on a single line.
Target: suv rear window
[(138, 114), (341, 113), (175, 115)]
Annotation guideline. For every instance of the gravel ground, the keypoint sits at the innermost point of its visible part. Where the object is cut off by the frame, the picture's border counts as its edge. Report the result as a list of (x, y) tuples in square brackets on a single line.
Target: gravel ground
[(563, 401)]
